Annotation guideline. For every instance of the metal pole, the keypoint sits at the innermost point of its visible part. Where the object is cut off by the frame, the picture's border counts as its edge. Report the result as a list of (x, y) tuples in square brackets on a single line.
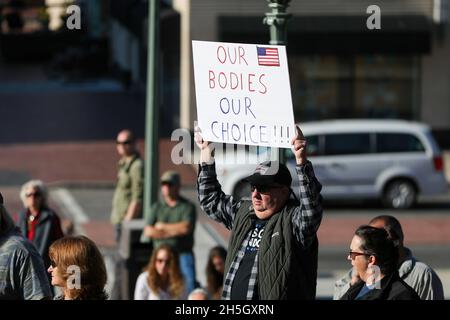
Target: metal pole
[(152, 106), (276, 19)]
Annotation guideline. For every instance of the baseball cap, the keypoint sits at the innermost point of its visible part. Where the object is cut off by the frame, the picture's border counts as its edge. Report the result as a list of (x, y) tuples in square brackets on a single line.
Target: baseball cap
[(270, 173), (171, 177)]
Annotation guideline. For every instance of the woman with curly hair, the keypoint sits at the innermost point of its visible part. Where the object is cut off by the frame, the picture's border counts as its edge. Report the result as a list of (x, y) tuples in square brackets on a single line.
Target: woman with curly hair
[(162, 278), (78, 268), (214, 271)]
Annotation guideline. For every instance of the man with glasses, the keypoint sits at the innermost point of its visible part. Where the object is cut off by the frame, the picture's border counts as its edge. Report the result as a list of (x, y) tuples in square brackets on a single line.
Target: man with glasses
[(272, 254), (128, 196), (172, 221)]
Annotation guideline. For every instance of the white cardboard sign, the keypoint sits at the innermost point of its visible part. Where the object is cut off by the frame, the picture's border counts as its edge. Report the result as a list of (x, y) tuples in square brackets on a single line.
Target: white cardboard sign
[(243, 93)]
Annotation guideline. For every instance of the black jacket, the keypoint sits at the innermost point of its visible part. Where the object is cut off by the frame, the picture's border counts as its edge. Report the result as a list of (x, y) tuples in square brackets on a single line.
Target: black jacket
[(392, 288)]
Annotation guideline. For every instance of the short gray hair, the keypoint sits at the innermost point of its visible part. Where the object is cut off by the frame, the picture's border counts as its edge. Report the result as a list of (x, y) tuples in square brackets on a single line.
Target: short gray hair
[(34, 184), (196, 291)]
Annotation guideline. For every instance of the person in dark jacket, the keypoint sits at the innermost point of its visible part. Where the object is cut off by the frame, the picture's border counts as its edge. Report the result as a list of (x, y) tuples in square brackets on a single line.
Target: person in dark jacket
[(37, 222), (272, 254), (374, 258), (418, 275)]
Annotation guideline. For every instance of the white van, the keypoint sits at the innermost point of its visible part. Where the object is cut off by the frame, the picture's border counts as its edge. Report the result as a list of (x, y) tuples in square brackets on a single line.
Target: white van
[(391, 160)]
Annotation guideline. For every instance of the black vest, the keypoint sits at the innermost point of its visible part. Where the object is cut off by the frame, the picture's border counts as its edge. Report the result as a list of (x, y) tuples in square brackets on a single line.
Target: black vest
[(286, 269)]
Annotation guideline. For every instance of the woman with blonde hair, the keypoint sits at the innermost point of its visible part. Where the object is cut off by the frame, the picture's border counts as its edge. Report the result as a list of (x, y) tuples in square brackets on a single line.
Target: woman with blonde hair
[(162, 278), (78, 268)]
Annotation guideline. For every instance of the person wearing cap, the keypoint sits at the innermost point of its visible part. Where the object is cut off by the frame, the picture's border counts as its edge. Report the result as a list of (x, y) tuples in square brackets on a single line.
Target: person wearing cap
[(272, 252), (172, 221), (129, 193), (22, 271)]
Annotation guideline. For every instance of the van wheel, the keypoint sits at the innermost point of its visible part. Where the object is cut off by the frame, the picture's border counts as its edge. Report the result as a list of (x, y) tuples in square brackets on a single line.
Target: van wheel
[(400, 194), (242, 190)]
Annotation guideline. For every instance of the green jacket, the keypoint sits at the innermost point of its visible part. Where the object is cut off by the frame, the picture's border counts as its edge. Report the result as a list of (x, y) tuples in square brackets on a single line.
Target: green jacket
[(286, 270), (130, 187)]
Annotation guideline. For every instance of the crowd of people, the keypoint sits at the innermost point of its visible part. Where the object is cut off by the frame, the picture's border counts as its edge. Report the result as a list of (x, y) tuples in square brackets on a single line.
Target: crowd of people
[(272, 253)]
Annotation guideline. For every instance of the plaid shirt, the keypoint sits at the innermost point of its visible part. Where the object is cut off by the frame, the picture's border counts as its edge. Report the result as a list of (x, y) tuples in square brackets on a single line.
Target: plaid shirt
[(223, 208)]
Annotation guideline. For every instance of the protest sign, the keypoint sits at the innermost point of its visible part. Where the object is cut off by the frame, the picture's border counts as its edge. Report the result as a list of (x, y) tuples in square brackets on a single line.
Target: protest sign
[(243, 93)]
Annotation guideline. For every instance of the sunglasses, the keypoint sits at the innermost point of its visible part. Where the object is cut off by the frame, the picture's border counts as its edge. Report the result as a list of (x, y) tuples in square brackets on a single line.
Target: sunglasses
[(353, 254), (124, 142), (33, 194), (263, 189)]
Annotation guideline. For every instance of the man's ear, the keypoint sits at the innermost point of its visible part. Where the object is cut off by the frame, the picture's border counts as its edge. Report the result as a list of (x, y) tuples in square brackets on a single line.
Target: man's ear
[(372, 260)]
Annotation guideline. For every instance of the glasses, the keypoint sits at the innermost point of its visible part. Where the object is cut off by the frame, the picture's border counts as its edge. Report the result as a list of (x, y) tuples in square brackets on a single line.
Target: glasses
[(124, 142), (33, 194), (165, 183), (263, 189), (353, 254)]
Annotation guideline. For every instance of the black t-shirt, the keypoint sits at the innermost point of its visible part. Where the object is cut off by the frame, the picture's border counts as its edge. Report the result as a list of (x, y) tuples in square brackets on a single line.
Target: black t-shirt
[(240, 283)]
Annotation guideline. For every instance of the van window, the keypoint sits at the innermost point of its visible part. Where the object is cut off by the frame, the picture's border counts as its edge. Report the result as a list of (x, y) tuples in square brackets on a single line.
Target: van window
[(398, 142), (347, 143), (312, 146)]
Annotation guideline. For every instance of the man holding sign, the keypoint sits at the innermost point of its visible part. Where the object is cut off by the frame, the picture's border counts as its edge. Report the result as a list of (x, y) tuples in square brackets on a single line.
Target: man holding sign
[(273, 247), (243, 93)]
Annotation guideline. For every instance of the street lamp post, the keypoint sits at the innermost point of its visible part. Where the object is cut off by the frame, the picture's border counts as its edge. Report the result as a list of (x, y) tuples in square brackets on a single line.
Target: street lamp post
[(152, 106), (277, 19)]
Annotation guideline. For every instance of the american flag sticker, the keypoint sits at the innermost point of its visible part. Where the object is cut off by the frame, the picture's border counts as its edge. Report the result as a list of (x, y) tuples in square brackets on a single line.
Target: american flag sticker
[(268, 56)]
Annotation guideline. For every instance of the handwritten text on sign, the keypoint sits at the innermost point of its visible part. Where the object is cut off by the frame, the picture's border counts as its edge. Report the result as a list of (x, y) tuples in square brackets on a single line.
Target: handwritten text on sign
[(243, 93)]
